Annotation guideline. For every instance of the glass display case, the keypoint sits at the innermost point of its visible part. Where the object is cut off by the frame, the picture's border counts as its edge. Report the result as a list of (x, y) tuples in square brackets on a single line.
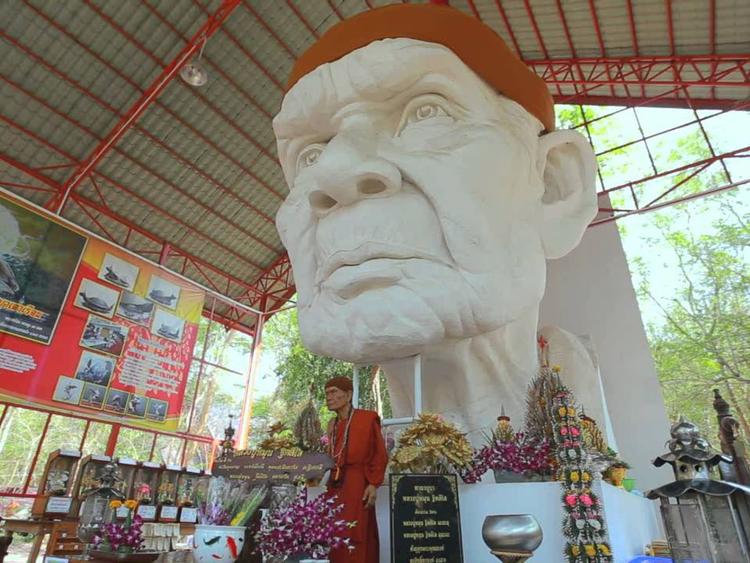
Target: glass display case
[(89, 472), (55, 487), (186, 494), (167, 493), (126, 468), (145, 484)]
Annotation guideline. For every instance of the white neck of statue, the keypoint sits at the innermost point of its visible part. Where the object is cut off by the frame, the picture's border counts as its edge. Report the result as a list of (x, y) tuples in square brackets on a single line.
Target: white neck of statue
[(468, 380)]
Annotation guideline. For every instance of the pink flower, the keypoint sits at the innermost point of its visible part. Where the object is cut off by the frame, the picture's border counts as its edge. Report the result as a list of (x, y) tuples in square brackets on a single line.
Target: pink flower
[(586, 500), (570, 500), (324, 439), (564, 431), (575, 431)]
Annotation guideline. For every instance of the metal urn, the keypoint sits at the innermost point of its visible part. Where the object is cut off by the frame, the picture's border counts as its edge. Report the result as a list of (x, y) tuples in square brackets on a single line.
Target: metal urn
[(512, 538)]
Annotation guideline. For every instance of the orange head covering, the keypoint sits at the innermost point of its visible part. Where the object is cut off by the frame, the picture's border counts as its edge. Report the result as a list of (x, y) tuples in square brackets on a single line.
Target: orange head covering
[(475, 43), (343, 383)]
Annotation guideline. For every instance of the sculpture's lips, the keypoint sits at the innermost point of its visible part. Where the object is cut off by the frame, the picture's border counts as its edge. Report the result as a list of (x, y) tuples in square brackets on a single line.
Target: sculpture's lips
[(368, 253)]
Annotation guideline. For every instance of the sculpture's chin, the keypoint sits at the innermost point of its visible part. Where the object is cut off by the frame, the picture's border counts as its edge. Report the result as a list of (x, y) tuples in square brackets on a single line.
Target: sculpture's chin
[(394, 320)]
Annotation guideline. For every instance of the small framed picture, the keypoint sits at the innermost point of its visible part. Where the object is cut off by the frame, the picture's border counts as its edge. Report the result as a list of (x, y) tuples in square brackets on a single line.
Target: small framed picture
[(95, 368), (118, 272), (136, 406), (135, 308), (116, 401), (93, 396), (97, 298), (104, 336), (68, 390), (163, 292), (156, 410), (167, 325)]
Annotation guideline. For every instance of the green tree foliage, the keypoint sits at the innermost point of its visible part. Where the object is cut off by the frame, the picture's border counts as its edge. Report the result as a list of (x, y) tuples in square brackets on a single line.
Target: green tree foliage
[(703, 342), (297, 369)]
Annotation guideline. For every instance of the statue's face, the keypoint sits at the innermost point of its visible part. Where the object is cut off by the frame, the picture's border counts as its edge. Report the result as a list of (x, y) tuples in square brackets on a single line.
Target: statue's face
[(414, 202)]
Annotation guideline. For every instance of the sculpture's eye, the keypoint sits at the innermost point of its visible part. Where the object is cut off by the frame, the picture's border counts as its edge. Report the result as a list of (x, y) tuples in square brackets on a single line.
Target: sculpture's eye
[(309, 156), (425, 108)]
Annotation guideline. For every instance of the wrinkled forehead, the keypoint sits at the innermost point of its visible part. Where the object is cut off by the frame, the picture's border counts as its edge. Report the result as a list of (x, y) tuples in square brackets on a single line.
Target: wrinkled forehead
[(374, 73)]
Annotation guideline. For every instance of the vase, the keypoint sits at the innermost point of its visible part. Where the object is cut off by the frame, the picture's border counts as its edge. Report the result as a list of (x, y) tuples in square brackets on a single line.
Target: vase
[(217, 544), (505, 476), (303, 558), (512, 538)]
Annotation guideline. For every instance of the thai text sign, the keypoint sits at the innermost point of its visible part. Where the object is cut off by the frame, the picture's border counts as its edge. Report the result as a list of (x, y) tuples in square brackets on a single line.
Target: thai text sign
[(86, 326), (425, 519), (280, 466)]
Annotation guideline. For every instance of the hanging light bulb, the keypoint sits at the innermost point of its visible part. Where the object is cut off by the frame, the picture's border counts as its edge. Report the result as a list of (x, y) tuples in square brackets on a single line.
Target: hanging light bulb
[(193, 72)]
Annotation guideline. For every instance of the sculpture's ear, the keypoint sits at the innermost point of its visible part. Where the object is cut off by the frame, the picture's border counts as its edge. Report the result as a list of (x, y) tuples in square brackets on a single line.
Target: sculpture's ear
[(567, 165)]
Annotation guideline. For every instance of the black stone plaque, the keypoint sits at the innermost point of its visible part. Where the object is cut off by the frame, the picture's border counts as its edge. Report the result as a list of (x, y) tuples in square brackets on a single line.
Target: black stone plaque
[(425, 520), (281, 466)]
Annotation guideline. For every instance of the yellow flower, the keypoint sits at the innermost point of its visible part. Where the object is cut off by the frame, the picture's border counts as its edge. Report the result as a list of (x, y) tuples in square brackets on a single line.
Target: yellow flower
[(604, 549), (586, 477), (575, 550), (562, 411), (131, 504), (589, 549), (574, 476), (571, 411), (115, 504), (556, 368)]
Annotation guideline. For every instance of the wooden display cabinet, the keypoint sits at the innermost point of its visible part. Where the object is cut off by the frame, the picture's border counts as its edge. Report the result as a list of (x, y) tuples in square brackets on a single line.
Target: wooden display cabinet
[(145, 485), (87, 479), (186, 494), (55, 486), (167, 493)]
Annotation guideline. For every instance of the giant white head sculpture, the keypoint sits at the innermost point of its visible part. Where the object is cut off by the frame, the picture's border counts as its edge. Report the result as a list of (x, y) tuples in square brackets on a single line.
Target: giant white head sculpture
[(423, 199)]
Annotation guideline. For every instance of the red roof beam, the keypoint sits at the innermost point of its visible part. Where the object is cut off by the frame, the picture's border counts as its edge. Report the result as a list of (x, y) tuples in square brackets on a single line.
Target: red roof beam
[(268, 28), (152, 92), (599, 37), (138, 197), (506, 21), (137, 127), (302, 18), (634, 37), (539, 39), (150, 170)]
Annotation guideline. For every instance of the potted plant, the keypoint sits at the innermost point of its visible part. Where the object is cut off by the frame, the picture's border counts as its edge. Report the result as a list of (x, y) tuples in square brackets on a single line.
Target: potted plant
[(513, 458), (122, 541), (222, 518), (306, 530)]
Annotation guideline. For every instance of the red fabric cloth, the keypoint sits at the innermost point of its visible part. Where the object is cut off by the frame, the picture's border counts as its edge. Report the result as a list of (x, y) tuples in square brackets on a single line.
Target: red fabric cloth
[(366, 460)]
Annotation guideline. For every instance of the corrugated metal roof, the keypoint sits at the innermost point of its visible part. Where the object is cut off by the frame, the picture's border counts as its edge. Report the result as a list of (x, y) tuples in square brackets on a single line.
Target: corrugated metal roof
[(198, 168)]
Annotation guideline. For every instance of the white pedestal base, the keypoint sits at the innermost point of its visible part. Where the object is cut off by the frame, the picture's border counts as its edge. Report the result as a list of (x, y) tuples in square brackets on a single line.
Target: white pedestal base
[(633, 521)]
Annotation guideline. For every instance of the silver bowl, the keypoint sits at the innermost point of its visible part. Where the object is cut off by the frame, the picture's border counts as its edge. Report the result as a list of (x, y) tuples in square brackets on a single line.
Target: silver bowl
[(512, 533)]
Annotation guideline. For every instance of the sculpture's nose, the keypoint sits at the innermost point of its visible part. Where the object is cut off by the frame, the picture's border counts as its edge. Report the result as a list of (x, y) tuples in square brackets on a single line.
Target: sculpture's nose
[(348, 171)]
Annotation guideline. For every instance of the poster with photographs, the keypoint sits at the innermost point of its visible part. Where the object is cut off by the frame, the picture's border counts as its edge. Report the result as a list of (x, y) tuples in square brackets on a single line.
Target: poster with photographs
[(136, 406), (167, 325), (163, 292), (68, 390), (116, 401), (97, 298), (104, 336), (95, 368), (156, 410), (38, 260), (93, 396), (118, 272), (135, 308)]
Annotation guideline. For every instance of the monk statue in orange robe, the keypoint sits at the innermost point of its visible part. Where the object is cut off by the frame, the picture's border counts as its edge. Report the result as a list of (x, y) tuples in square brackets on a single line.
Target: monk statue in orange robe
[(356, 445)]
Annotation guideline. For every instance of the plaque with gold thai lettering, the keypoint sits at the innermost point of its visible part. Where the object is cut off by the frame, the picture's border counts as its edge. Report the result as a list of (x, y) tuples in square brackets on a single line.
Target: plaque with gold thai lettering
[(278, 467), (425, 519)]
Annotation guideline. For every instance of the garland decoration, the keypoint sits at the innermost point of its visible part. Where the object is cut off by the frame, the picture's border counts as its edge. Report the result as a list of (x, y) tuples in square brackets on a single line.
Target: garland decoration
[(583, 525), (431, 445)]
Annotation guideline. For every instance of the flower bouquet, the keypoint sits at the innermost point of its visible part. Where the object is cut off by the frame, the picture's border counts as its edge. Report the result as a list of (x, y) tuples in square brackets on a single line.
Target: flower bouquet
[(513, 456), (122, 542), (222, 519), (304, 529), (431, 445)]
